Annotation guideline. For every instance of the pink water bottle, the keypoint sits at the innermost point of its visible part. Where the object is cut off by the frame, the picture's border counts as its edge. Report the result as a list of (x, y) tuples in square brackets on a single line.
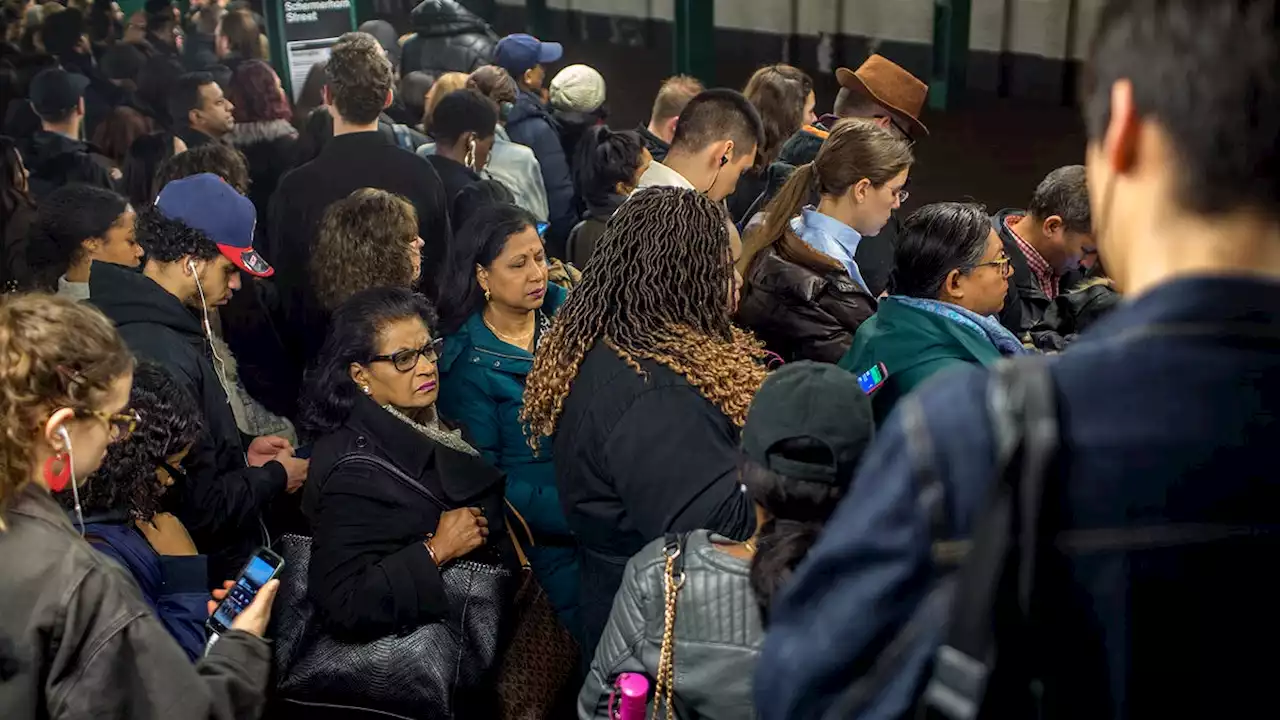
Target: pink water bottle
[(631, 690)]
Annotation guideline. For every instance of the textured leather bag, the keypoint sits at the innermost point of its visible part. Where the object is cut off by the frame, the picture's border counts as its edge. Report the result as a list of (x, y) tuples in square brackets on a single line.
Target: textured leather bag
[(439, 670), (542, 657)]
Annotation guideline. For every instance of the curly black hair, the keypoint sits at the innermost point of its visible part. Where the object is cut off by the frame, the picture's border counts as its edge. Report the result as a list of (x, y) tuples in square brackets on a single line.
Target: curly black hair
[(126, 481), (167, 240)]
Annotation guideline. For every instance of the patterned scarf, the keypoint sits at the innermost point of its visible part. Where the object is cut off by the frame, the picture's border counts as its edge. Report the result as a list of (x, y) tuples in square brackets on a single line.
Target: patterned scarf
[(1005, 341), (436, 432)]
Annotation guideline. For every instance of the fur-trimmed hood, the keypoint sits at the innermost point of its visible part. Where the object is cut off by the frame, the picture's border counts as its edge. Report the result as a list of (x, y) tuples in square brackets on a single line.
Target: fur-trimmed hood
[(251, 133)]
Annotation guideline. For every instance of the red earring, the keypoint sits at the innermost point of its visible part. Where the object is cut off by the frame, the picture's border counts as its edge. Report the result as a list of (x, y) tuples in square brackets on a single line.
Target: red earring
[(57, 480)]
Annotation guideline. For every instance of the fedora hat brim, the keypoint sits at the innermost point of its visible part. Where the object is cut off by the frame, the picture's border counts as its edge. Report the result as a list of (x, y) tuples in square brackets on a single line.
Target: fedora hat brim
[(850, 80)]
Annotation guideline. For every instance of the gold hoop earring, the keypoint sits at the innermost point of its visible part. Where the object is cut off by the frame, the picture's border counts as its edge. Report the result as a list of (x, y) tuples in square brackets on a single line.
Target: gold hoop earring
[(470, 159)]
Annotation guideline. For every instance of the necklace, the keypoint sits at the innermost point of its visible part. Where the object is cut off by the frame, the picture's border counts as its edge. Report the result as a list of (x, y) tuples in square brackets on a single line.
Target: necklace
[(521, 340)]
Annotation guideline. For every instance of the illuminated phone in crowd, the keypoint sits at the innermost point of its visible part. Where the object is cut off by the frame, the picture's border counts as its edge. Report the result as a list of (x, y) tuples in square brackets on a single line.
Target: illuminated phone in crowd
[(263, 566), (871, 380)]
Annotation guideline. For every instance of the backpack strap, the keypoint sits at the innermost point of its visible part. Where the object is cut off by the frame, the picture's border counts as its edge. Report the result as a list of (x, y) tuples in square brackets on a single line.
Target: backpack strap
[(999, 575)]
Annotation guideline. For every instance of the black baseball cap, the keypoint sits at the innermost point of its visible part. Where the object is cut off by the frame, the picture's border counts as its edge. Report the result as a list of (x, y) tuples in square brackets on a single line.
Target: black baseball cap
[(55, 91), (809, 421)]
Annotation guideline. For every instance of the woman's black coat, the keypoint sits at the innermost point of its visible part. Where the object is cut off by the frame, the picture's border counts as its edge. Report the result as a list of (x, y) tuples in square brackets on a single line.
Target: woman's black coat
[(370, 572)]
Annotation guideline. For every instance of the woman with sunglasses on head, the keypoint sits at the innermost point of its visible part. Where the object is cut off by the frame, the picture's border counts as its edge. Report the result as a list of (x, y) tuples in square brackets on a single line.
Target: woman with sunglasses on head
[(121, 505), (378, 547), (496, 304), (76, 637), (802, 292), (949, 280)]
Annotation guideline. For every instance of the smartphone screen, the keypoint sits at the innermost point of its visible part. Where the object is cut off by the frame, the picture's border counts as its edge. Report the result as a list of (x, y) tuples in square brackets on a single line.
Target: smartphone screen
[(261, 567), (871, 380)]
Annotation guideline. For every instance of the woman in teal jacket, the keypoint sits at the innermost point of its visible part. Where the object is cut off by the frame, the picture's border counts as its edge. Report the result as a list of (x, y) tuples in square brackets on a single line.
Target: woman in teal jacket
[(495, 305), (950, 277)]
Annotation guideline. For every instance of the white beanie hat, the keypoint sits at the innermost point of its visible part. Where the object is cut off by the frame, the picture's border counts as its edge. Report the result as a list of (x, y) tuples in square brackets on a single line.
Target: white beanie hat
[(577, 88)]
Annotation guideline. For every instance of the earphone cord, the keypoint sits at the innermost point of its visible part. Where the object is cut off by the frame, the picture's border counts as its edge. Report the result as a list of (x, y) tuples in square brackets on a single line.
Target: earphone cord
[(220, 367), (75, 486), (714, 180)]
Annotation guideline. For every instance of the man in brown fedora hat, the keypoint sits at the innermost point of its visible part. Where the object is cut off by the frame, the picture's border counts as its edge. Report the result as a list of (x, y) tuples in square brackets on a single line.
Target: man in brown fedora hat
[(878, 90)]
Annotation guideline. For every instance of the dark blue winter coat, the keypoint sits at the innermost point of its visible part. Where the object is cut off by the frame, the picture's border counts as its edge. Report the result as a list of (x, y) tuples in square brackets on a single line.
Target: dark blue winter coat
[(530, 124), (174, 586)]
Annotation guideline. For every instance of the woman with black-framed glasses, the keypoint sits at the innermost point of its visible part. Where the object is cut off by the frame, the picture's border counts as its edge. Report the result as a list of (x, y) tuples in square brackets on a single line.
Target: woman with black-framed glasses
[(378, 547), (949, 282)]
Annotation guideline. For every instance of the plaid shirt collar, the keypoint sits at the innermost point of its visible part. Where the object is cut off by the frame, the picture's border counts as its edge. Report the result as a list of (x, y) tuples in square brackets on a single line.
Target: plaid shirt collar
[(1045, 276)]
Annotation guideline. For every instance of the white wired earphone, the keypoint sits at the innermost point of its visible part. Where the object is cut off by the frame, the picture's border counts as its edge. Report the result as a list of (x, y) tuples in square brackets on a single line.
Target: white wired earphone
[(71, 467), (220, 367)]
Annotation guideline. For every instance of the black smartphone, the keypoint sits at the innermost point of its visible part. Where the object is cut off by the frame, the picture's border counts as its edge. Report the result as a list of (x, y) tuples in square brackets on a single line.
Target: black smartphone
[(302, 453), (263, 566), (871, 380)]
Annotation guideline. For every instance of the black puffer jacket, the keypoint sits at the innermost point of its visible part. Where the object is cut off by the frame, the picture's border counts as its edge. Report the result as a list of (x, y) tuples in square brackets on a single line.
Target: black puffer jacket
[(802, 311), (55, 160), (450, 39)]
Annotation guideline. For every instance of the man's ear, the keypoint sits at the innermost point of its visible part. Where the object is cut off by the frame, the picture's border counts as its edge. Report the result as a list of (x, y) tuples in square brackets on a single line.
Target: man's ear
[(1120, 142), (326, 95), (1052, 225), (391, 96)]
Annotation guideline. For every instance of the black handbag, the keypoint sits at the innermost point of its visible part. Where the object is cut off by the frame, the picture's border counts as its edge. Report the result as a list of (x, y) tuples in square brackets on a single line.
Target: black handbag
[(438, 670)]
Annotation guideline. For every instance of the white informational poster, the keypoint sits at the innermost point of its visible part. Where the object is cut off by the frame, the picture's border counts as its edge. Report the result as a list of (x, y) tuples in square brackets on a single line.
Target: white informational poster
[(301, 55)]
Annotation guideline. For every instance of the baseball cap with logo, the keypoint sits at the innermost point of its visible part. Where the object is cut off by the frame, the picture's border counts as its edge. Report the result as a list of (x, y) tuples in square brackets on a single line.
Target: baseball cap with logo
[(207, 203), (520, 52), (55, 91)]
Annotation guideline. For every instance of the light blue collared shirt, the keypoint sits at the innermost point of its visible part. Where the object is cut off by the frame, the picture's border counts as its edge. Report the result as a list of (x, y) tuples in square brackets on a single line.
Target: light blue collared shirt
[(832, 238)]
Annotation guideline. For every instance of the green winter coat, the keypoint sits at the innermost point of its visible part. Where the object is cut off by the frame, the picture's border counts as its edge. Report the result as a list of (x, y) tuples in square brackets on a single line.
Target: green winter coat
[(914, 345)]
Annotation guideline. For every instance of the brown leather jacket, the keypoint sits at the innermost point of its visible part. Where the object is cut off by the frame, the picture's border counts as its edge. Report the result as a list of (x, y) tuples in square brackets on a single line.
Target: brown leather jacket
[(77, 640), (802, 308)]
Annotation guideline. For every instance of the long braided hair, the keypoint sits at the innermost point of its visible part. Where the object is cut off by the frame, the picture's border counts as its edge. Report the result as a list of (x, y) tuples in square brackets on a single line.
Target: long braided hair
[(657, 288)]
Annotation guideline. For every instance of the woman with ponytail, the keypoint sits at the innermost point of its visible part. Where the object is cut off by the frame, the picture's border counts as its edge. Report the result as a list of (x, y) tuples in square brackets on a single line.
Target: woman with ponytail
[(803, 294), (607, 170), (806, 430)]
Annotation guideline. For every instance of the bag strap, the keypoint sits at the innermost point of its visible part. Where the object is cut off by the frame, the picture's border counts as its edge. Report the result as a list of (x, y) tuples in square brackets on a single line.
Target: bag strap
[(664, 686), (999, 575), (356, 458)]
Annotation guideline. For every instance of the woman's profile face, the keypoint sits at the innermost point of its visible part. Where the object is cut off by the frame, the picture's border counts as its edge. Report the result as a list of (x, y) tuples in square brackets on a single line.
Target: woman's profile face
[(119, 244), (413, 382), (415, 256), (985, 286), (517, 278), (879, 204)]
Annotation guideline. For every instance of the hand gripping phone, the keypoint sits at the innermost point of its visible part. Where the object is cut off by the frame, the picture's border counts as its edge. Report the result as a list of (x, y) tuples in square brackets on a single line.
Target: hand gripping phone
[(262, 566)]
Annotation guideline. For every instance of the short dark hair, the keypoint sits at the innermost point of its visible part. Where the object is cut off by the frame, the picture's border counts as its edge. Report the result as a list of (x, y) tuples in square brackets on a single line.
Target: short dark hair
[(185, 96), (604, 159), (718, 114), (413, 91), (478, 242), (61, 31), (1222, 118), (64, 220), (329, 393), (169, 241), (475, 197), (126, 480), (159, 14), (935, 240), (218, 158), (1065, 193), (359, 77), (461, 112)]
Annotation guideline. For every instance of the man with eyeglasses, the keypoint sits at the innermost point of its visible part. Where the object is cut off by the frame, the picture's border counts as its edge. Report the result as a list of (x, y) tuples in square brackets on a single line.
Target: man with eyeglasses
[(1047, 243)]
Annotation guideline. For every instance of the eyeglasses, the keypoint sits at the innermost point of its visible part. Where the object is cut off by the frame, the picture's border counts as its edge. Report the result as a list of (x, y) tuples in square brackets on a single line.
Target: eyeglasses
[(1002, 264), (406, 360), (903, 195), (120, 425)]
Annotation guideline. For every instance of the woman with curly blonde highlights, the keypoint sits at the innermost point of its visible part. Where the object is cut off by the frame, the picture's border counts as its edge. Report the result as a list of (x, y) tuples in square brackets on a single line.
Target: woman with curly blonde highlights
[(65, 376), (644, 383)]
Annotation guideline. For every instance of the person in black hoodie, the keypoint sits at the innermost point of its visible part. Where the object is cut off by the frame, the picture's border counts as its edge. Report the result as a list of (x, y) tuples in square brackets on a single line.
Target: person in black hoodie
[(198, 236), (449, 39), (607, 169), (54, 155)]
